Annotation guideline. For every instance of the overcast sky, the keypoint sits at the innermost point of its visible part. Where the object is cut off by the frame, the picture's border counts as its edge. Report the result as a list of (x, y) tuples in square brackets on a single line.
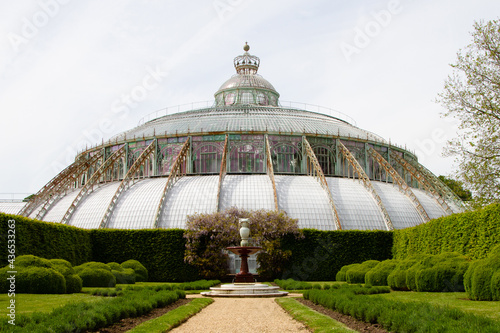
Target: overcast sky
[(75, 72)]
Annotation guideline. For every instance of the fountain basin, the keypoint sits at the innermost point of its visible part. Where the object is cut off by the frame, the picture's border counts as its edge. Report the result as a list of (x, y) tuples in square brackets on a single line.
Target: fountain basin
[(244, 290)]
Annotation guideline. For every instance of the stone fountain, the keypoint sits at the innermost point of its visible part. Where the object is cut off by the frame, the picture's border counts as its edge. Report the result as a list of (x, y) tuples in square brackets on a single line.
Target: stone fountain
[(244, 284)]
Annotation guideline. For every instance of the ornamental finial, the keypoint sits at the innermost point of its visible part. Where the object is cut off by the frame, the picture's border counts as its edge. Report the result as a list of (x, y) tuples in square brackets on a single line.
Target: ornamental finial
[(246, 63)]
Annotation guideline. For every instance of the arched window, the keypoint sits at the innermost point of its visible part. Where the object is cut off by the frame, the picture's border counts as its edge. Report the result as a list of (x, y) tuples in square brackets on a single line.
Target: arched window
[(326, 160)]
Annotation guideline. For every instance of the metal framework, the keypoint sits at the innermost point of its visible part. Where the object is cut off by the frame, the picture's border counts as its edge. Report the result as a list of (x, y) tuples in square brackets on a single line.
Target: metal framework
[(71, 173), (127, 181), (441, 188), (63, 185), (176, 172), (270, 172), (366, 182), (422, 180), (222, 172), (314, 170), (403, 187), (93, 180)]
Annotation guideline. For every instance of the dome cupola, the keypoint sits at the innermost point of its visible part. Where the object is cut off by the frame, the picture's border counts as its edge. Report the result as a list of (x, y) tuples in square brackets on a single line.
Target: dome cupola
[(246, 87)]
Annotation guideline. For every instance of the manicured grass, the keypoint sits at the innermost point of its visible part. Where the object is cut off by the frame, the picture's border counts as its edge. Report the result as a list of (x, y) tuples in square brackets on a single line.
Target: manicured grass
[(454, 300), (29, 303), (318, 322), (173, 318)]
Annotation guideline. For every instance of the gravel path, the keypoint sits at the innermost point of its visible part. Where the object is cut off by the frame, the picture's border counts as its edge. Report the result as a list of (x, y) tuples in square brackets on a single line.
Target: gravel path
[(242, 315)]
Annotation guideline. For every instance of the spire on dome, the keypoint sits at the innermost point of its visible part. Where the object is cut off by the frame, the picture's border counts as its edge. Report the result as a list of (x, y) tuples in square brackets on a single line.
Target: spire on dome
[(246, 63)]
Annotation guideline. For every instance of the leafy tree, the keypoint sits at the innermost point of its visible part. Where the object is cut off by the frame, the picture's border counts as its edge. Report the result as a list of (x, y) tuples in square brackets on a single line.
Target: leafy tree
[(458, 187), (208, 235), (472, 95)]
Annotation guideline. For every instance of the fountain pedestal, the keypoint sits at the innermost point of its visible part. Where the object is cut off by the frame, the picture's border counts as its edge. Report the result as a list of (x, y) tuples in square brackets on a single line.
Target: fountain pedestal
[(244, 276), (244, 283)]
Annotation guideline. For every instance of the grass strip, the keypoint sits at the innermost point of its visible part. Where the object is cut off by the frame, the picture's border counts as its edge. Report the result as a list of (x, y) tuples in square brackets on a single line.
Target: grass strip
[(172, 318), (316, 321)]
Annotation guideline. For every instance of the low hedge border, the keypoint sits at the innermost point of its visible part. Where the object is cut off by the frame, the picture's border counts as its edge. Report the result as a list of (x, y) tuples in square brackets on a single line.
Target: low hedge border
[(83, 316), (401, 316)]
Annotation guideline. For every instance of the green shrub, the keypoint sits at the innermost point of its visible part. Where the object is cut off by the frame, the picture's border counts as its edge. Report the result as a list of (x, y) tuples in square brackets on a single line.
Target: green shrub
[(92, 316), (357, 274), (473, 234), (62, 266), (115, 266), (35, 280), (74, 283), (399, 316), (141, 273), (341, 274), (377, 276), (32, 261), (125, 276), (97, 277), (47, 240), (480, 281), (92, 265), (397, 278), (495, 286)]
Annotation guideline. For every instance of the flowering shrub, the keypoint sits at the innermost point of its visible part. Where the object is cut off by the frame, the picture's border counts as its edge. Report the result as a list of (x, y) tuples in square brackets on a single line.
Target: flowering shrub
[(208, 235)]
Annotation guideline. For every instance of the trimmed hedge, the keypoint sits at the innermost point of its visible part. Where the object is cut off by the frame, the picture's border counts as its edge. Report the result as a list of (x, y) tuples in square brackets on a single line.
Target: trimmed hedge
[(141, 273), (34, 280), (472, 234), (92, 316), (482, 279), (321, 254), (357, 273), (341, 274), (397, 278), (46, 240), (160, 251), (377, 276), (399, 316), (97, 277)]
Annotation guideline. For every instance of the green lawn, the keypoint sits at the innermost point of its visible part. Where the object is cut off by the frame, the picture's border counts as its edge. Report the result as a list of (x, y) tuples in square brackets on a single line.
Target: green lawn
[(455, 300), (29, 303)]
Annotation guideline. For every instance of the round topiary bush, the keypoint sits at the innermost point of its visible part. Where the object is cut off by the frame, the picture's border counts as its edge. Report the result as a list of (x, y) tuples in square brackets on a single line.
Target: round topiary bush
[(377, 276), (125, 276), (397, 278), (340, 276), (97, 277), (480, 279), (141, 273), (74, 283), (32, 261), (62, 266), (495, 286), (357, 274), (92, 265), (39, 280), (115, 266)]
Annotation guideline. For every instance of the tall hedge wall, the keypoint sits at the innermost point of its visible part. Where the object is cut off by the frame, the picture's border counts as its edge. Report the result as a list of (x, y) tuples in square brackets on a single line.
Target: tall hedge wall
[(46, 240), (321, 254), (472, 234), (161, 251)]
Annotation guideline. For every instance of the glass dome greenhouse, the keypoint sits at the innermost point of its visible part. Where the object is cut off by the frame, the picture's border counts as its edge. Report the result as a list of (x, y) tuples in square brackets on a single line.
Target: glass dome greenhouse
[(247, 150)]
